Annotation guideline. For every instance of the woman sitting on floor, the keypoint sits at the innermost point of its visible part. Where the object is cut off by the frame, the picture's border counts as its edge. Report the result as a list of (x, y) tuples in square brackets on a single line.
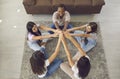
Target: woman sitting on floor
[(88, 42), (44, 66), (79, 66), (34, 37)]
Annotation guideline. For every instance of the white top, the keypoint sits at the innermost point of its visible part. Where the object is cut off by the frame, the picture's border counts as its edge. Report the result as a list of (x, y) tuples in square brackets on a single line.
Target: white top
[(30, 36), (61, 21), (75, 69), (47, 63)]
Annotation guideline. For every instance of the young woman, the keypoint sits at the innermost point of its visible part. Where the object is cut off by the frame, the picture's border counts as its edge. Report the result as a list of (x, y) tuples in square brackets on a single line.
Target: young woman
[(88, 42), (79, 66), (44, 66), (34, 38)]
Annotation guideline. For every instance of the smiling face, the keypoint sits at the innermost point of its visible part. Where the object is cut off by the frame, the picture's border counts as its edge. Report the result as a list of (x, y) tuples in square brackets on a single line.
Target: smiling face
[(88, 29), (34, 29), (61, 11)]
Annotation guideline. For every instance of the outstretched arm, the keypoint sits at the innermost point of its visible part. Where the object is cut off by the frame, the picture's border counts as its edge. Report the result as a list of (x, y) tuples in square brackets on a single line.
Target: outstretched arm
[(67, 35), (76, 28), (44, 36), (81, 35), (71, 63), (53, 56), (47, 28), (65, 25)]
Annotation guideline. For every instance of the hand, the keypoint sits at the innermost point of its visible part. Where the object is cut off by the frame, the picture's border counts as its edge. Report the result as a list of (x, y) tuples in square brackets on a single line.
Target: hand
[(58, 31), (67, 34), (61, 36), (55, 35), (64, 29)]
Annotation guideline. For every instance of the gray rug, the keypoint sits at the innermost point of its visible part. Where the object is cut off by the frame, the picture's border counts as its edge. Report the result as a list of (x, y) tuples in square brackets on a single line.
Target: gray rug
[(99, 67)]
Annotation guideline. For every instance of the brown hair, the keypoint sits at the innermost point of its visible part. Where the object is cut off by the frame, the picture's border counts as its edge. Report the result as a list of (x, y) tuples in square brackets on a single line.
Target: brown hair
[(93, 26), (37, 62)]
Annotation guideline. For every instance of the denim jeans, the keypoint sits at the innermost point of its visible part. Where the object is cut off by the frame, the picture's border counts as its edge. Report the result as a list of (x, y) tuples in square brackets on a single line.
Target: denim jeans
[(61, 27), (44, 51), (53, 66), (86, 47)]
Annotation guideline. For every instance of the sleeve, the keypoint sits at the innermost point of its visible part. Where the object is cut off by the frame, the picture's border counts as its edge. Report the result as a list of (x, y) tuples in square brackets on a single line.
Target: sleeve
[(67, 16), (47, 63), (74, 68), (30, 36), (79, 32), (88, 57), (54, 17)]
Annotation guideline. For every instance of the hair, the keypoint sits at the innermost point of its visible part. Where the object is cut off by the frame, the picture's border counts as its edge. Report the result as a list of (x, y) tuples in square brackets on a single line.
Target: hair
[(93, 26), (62, 6), (29, 27), (83, 66), (37, 62)]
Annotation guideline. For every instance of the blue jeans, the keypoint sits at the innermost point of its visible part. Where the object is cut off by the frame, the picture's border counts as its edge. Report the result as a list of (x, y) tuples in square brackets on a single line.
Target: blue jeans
[(45, 53), (86, 47), (61, 27), (53, 66)]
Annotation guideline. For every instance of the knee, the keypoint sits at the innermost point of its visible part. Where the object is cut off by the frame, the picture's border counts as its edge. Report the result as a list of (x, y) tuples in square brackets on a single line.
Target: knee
[(70, 26), (60, 61), (53, 26)]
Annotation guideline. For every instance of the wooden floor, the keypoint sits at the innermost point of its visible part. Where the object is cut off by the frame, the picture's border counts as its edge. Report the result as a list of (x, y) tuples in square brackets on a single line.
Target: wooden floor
[(13, 19)]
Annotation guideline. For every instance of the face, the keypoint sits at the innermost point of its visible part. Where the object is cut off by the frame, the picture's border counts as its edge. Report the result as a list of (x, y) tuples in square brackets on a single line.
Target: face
[(61, 11), (88, 28), (34, 29)]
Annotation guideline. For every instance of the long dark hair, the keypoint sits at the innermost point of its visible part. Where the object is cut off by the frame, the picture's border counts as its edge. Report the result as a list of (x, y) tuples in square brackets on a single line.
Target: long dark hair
[(84, 66), (93, 26), (37, 62), (29, 27)]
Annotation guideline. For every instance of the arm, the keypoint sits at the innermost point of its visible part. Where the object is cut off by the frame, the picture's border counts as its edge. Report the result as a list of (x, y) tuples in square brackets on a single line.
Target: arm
[(82, 35), (67, 20), (43, 37), (71, 63), (47, 28), (76, 28), (52, 57), (56, 25), (54, 18), (77, 56), (65, 25), (67, 35)]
